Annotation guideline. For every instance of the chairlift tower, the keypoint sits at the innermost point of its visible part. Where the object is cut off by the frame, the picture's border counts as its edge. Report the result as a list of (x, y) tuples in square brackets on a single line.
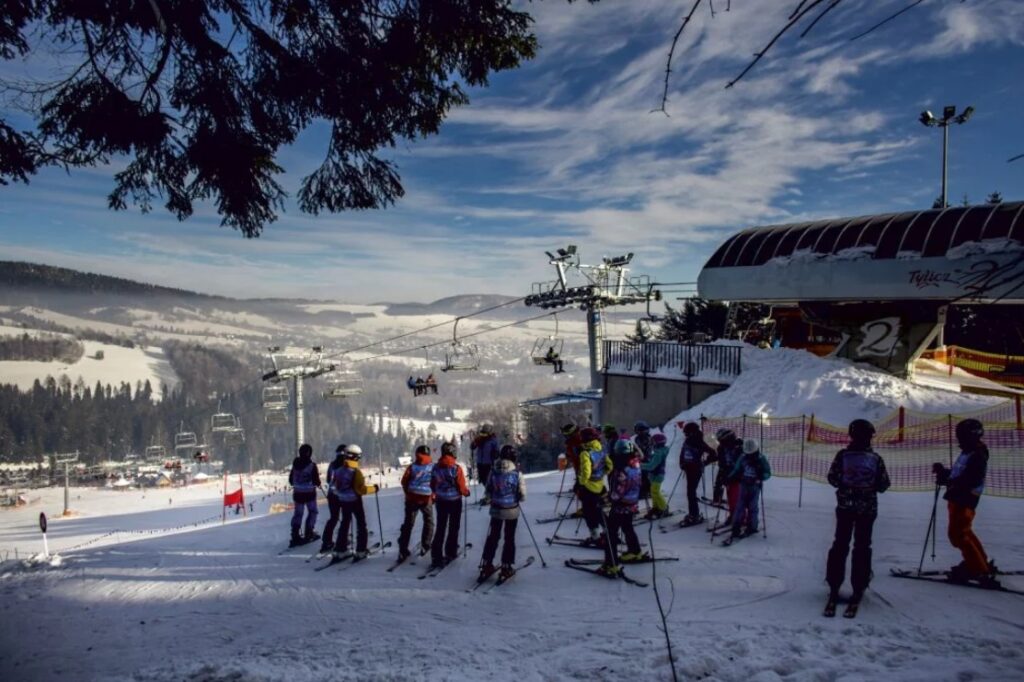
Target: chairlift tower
[(66, 459), (309, 367), (606, 285)]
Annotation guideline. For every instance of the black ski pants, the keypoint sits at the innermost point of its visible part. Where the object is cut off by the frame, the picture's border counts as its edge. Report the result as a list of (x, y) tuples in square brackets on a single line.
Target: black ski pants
[(348, 510), (693, 473), (446, 534), (483, 471), (620, 520), (591, 502), (334, 504), (411, 511), (858, 527), (508, 550)]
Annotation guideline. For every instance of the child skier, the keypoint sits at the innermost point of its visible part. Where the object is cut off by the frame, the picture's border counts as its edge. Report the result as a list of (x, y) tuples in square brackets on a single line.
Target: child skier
[(624, 491), (506, 489), (485, 451), (729, 450), (304, 479), (751, 470), (590, 485), (654, 467), (333, 503), (965, 483), (692, 461), (642, 440), (858, 474), (449, 486), (418, 499), (351, 486)]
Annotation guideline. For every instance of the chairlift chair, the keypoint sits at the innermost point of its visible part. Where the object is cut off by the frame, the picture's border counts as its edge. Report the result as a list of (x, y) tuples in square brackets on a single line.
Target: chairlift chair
[(235, 435), (156, 452), (541, 347), (275, 404), (221, 422), (460, 356), (343, 384), (185, 439)]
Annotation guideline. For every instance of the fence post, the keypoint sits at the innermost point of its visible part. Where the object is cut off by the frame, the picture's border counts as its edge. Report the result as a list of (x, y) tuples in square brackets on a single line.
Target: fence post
[(902, 420), (1016, 400), (803, 437), (743, 427)]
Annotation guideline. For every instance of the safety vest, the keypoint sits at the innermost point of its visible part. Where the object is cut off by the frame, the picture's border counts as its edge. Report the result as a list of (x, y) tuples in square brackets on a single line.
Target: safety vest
[(643, 443), (958, 468), (631, 488), (751, 469), (860, 469), (505, 489), (419, 482), (596, 464), (691, 454), (342, 484), (302, 479), (730, 456), (446, 482)]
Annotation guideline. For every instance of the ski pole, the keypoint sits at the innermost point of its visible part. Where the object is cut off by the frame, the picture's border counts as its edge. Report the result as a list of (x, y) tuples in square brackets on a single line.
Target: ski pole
[(717, 509), (530, 530), (931, 527), (668, 500), (564, 514), (612, 547), (376, 495), (703, 490), (561, 486), (764, 513), (465, 528)]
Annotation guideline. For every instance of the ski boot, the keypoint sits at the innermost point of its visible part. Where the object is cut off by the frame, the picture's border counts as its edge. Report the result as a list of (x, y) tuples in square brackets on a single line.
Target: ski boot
[(326, 546), (360, 555), (296, 539), (830, 605), (594, 541), (310, 536), (691, 520), (634, 557), (853, 605), (959, 574), (609, 571), (487, 569), (403, 554), (507, 571), (989, 582)]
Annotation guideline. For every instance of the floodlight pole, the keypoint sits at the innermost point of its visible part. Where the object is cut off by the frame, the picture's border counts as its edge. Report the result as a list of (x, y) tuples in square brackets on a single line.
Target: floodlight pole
[(594, 340), (945, 164), (300, 414)]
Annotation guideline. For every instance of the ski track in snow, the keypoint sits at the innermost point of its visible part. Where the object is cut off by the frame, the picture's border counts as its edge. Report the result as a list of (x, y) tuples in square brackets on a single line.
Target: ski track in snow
[(218, 604)]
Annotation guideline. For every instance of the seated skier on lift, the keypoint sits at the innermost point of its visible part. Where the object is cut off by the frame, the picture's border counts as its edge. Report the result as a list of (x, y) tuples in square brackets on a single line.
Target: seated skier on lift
[(431, 383), (553, 358)]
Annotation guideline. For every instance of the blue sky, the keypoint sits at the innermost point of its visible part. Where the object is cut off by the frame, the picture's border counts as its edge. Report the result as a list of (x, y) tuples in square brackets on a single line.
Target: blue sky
[(566, 150)]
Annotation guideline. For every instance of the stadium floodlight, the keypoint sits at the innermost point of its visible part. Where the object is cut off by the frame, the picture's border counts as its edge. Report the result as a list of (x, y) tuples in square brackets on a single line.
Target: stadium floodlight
[(949, 117), (563, 254), (619, 261)]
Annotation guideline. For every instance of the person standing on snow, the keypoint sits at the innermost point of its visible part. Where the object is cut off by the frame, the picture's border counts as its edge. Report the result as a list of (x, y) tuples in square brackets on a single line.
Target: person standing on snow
[(351, 486), (965, 482), (642, 440), (654, 467), (418, 500), (590, 488), (449, 486), (304, 479), (729, 451), (694, 455), (858, 474), (624, 492), (485, 452), (333, 503), (750, 471), (506, 489)]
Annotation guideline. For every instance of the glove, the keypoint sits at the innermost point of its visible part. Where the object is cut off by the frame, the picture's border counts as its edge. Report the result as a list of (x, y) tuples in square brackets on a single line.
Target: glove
[(938, 468)]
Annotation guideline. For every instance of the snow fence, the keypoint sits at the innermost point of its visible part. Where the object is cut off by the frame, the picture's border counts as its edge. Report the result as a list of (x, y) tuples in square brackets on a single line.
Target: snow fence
[(909, 442)]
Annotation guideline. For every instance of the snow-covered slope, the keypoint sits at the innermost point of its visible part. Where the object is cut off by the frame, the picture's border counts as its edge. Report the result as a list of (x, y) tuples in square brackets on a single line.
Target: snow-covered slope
[(785, 382), (219, 603)]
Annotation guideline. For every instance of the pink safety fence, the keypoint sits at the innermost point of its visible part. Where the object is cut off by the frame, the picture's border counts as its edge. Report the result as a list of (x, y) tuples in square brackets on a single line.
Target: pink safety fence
[(909, 442)]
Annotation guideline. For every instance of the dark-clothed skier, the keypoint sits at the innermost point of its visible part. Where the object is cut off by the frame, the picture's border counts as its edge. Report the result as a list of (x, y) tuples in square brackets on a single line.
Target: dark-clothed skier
[(590, 486), (304, 479), (333, 503), (418, 500), (965, 483), (694, 455), (858, 474), (506, 490), (449, 485), (485, 452), (624, 484), (750, 471), (351, 486)]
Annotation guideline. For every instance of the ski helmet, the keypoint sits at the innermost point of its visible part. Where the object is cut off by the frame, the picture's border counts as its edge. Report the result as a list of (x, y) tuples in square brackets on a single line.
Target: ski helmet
[(861, 429), (641, 427), (691, 429), (507, 452), (969, 430), (659, 439), (423, 450), (610, 430), (353, 452), (750, 446), (340, 450), (569, 429), (724, 434), (486, 430), (625, 447), (448, 448), (305, 450), (590, 433)]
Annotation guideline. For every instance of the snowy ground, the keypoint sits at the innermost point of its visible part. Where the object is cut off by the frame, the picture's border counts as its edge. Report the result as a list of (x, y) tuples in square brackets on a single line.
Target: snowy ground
[(219, 603)]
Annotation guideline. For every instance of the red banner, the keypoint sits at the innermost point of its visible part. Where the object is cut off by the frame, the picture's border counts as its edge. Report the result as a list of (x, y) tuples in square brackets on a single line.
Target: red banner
[(231, 499)]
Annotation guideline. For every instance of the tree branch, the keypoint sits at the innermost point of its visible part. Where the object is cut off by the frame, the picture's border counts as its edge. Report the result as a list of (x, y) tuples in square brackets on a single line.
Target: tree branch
[(760, 55), (818, 18), (889, 18), (671, 53)]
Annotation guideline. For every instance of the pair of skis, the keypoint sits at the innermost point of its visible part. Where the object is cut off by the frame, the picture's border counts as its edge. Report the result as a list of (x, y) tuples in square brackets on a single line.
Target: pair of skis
[(477, 584), (682, 524), (943, 577), (350, 558), (573, 564), (733, 538), (623, 562)]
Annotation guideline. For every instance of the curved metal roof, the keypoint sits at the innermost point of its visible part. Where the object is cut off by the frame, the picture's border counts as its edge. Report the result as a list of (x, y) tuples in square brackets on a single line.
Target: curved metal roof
[(926, 234)]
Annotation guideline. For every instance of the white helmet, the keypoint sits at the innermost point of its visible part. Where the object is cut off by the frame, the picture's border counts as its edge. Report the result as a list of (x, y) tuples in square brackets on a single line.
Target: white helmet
[(353, 452), (750, 446)]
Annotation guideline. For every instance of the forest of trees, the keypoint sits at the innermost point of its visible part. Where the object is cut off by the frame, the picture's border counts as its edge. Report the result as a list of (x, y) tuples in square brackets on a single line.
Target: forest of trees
[(40, 348)]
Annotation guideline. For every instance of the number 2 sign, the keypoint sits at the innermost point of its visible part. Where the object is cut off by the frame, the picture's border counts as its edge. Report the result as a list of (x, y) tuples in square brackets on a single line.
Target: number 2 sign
[(880, 337)]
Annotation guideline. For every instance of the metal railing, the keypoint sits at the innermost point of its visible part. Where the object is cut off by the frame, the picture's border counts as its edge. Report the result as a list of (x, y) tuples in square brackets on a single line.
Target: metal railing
[(668, 358)]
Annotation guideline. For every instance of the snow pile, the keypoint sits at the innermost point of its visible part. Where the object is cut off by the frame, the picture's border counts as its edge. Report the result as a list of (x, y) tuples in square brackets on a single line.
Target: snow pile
[(984, 248), (787, 383)]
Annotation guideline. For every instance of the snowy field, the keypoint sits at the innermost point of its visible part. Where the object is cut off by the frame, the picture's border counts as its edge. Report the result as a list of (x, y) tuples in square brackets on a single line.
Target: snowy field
[(219, 603)]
